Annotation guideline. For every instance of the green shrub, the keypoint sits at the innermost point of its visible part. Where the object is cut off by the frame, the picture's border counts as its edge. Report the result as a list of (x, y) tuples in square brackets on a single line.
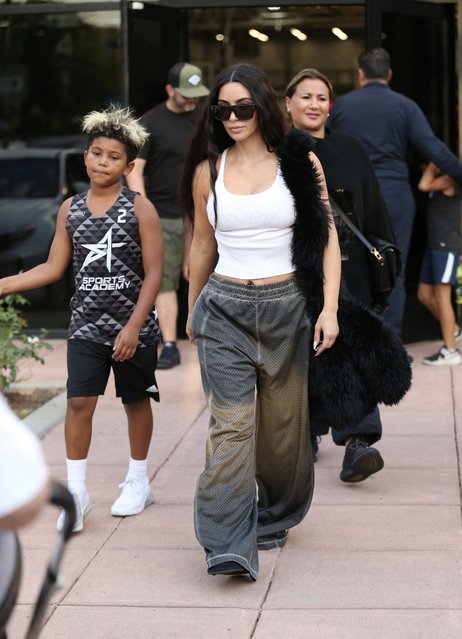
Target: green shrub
[(15, 345)]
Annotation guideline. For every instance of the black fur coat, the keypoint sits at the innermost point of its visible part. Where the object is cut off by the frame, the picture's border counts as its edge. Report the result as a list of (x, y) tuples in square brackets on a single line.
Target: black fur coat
[(368, 364)]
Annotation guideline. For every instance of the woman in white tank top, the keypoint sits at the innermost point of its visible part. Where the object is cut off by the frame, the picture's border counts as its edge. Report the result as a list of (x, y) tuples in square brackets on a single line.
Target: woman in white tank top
[(249, 321)]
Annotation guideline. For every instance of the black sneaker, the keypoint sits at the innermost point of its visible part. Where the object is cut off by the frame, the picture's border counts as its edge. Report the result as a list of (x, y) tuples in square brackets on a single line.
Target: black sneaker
[(360, 461), (273, 540), (169, 357)]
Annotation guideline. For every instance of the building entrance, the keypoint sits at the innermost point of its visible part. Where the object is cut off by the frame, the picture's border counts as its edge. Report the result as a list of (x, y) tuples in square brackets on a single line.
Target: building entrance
[(59, 60)]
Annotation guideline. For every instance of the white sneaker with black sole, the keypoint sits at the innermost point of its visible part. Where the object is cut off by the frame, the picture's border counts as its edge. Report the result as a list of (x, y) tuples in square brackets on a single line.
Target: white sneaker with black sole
[(444, 357), (136, 495)]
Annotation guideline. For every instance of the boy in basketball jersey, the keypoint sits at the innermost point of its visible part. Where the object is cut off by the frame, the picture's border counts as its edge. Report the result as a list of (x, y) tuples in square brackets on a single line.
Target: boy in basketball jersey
[(114, 239)]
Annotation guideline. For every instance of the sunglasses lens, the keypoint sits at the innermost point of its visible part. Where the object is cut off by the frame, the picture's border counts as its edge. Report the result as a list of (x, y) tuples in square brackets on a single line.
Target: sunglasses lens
[(222, 112), (244, 111)]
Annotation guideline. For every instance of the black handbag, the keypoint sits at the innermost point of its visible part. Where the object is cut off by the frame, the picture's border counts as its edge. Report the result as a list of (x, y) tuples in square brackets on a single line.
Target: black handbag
[(384, 263), (384, 257)]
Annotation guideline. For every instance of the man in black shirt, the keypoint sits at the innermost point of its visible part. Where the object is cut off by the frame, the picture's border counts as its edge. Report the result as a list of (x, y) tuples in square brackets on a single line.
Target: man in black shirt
[(156, 174)]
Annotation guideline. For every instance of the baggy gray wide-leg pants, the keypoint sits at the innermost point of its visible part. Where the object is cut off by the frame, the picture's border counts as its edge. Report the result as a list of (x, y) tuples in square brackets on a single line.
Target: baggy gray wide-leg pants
[(253, 344)]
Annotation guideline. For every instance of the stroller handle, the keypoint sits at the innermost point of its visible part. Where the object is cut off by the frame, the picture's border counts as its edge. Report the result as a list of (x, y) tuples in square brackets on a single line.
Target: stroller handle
[(60, 496)]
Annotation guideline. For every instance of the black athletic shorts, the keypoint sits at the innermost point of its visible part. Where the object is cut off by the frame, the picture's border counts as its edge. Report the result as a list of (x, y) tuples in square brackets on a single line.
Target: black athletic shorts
[(89, 365)]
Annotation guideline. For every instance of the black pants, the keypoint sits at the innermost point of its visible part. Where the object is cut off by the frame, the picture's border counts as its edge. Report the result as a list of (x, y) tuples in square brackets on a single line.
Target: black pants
[(370, 427)]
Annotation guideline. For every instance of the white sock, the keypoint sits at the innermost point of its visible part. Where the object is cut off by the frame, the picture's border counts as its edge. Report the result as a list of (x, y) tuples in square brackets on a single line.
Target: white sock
[(76, 475), (137, 469)]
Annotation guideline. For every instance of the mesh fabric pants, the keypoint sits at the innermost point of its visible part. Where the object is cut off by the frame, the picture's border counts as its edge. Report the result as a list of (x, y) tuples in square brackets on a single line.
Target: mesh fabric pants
[(253, 344)]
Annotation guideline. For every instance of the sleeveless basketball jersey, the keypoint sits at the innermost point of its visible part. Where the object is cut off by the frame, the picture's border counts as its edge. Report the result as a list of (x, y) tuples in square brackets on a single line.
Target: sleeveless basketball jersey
[(108, 271)]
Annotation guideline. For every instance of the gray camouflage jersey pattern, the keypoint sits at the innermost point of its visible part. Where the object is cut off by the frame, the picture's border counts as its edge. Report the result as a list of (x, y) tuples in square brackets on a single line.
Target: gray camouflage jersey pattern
[(108, 271)]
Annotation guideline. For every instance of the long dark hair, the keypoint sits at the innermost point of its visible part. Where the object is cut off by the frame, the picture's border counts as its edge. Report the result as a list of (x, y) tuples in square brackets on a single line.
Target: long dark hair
[(211, 139)]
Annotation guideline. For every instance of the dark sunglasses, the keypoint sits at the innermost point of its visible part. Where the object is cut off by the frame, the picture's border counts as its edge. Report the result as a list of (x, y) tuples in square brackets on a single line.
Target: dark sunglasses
[(223, 112)]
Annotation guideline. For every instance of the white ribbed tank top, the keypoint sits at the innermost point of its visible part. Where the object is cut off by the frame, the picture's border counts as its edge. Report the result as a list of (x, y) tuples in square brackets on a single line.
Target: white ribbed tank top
[(253, 232)]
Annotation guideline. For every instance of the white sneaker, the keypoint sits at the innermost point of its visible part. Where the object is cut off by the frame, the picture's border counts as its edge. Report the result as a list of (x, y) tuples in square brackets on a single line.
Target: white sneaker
[(83, 506), (444, 357), (135, 497)]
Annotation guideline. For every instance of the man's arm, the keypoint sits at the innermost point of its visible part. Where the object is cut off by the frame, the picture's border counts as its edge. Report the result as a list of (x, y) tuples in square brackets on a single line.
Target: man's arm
[(432, 180), (424, 140)]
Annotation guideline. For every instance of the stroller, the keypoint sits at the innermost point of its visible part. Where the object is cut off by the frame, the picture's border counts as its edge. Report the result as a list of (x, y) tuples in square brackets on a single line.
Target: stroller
[(10, 562)]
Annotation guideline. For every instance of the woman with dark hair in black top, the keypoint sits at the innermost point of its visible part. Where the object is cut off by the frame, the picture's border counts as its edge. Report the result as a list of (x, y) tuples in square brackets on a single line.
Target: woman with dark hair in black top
[(351, 182)]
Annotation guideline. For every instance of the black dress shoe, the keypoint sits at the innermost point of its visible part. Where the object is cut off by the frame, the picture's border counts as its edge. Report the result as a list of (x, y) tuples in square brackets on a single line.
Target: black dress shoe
[(360, 461), (273, 540), (230, 568)]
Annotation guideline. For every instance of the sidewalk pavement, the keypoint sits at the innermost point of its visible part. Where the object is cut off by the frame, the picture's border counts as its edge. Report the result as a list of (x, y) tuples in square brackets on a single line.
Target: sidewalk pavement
[(381, 558)]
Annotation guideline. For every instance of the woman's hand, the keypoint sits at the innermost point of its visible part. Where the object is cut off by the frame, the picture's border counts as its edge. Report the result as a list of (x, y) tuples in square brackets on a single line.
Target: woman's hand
[(189, 330), (325, 331)]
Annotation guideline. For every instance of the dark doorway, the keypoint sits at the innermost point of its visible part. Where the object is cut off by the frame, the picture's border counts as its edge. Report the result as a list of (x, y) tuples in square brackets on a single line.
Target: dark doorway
[(157, 39), (420, 38)]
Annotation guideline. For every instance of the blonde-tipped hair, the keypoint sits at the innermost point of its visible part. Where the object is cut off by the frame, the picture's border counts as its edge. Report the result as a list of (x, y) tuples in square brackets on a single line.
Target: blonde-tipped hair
[(117, 123)]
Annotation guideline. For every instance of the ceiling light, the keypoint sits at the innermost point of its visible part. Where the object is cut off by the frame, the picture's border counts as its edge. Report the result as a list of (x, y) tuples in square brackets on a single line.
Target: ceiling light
[(138, 6), (258, 35), (273, 8), (299, 34), (341, 35)]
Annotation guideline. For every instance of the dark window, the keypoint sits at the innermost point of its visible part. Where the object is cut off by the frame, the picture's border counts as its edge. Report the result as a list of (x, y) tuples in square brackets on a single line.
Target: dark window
[(29, 178)]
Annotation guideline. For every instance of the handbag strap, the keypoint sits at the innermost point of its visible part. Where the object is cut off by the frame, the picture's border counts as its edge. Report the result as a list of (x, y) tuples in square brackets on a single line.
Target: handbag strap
[(362, 238)]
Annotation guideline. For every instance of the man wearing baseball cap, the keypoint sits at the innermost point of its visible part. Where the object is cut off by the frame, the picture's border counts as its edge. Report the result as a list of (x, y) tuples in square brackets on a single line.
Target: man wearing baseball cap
[(156, 174), (186, 79)]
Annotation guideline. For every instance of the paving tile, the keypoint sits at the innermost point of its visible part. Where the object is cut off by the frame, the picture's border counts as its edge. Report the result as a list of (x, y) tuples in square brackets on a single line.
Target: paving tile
[(378, 527), (160, 526), (168, 578), (401, 580), (359, 624), (174, 485), (417, 423), (21, 617), (77, 622), (432, 486), (191, 449), (425, 377), (416, 452)]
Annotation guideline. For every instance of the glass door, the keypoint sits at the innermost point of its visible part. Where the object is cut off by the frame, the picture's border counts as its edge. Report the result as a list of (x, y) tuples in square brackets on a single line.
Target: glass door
[(157, 39)]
